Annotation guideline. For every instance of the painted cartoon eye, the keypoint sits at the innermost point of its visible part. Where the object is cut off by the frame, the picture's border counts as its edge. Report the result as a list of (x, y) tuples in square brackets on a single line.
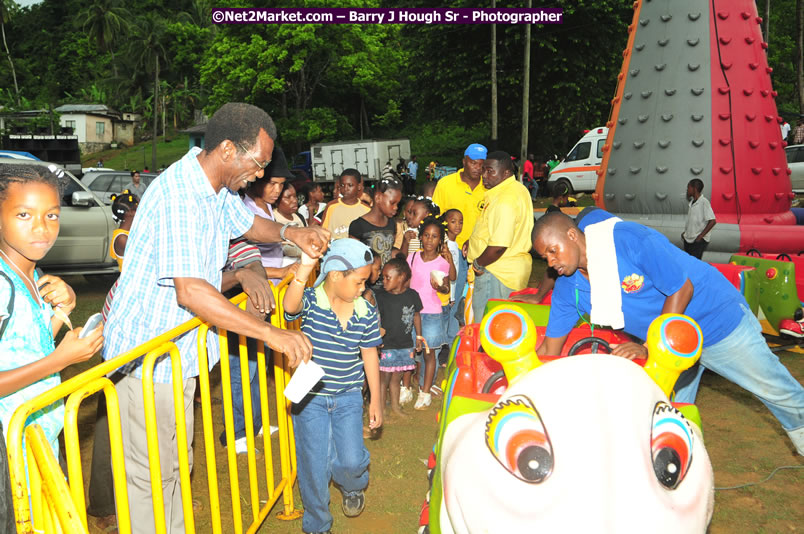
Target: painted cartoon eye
[(516, 437), (671, 445)]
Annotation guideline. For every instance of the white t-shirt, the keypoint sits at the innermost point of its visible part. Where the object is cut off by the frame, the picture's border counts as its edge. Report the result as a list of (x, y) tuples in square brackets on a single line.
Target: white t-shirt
[(304, 211), (455, 252), (699, 215), (785, 130)]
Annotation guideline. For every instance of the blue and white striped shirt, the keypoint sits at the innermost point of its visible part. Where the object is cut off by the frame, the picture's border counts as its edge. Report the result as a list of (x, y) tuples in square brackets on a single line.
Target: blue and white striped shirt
[(182, 230), (337, 350)]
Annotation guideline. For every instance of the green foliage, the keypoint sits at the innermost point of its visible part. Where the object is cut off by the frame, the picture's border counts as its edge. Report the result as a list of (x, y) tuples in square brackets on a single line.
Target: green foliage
[(330, 82)]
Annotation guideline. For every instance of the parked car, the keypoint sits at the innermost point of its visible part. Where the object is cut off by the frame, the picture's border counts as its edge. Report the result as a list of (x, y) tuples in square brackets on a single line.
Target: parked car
[(85, 230), (107, 183), (795, 160)]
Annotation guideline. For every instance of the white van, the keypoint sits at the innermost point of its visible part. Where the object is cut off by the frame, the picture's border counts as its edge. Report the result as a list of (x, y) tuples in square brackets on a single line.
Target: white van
[(578, 171)]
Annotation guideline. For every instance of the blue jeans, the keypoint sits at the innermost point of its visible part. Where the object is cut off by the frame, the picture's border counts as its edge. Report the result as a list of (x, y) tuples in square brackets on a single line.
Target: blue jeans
[(744, 358), (237, 387), (487, 287), (329, 446)]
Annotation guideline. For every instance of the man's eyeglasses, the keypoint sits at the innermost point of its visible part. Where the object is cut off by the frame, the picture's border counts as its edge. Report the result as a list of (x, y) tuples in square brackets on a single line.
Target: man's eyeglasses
[(257, 163)]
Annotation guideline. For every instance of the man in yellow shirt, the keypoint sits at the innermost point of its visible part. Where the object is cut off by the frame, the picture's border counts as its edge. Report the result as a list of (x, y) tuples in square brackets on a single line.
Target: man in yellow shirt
[(499, 247), (463, 191)]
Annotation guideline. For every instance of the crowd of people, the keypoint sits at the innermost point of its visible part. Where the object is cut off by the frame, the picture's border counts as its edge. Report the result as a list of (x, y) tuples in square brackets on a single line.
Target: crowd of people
[(379, 319)]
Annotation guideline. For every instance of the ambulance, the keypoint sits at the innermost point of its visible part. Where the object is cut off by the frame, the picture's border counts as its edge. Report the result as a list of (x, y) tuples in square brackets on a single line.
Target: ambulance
[(578, 171)]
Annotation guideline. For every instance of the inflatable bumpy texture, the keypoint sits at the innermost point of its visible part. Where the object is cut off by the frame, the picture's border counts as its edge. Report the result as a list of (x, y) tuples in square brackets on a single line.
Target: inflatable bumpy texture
[(695, 100), (588, 443)]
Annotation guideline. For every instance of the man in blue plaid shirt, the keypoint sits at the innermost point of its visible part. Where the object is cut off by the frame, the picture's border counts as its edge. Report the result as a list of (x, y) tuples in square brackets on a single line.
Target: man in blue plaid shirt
[(174, 258)]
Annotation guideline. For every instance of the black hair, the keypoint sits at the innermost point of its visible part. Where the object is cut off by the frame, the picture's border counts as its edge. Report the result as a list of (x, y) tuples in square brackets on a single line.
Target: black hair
[(548, 220), (401, 265), (22, 174), (386, 184), (122, 203), (697, 184), (135, 171), (503, 159), (560, 189), (447, 214), (432, 209), (428, 185), (429, 221), (239, 123), (354, 173)]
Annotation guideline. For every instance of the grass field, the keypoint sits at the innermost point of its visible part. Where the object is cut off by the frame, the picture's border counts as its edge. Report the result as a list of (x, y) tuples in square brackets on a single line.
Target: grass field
[(139, 156)]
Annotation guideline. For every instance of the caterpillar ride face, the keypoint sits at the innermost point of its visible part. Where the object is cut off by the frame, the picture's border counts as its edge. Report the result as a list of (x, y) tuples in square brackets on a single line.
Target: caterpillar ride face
[(526, 442)]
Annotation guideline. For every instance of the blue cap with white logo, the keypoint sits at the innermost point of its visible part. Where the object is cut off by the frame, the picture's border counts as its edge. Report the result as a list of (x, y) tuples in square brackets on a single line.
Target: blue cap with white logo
[(476, 151)]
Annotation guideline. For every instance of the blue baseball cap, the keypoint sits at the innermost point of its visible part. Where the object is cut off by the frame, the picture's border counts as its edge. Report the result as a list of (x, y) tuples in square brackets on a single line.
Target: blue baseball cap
[(344, 255), (476, 151)]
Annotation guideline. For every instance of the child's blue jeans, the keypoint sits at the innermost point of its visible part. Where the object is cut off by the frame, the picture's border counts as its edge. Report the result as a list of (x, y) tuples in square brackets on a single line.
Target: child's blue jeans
[(329, 446)]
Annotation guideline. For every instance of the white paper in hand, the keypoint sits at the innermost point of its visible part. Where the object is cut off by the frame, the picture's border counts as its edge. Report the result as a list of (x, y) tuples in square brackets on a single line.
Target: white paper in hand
[(304, 378)]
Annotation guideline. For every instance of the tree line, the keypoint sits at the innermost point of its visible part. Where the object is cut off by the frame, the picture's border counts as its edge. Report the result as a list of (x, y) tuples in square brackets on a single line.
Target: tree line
[(165, 59)]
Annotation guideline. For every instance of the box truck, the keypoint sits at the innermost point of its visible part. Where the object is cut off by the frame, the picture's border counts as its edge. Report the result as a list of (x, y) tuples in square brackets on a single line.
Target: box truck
[(325, 161)]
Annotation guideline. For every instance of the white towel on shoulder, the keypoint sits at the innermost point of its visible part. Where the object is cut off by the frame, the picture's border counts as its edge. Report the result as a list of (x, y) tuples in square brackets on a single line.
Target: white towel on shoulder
[(604, 277)]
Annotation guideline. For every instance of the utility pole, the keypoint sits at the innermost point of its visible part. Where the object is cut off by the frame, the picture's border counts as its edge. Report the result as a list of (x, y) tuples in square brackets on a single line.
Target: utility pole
[(493, 82), (523, 152)]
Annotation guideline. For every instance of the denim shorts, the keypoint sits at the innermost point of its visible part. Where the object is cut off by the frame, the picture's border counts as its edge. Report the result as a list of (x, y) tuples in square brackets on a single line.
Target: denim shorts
[(397, 360), (433, 329)]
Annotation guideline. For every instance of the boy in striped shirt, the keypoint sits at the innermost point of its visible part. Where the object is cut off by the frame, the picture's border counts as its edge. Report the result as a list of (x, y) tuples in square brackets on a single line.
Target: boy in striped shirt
[(344, 331)]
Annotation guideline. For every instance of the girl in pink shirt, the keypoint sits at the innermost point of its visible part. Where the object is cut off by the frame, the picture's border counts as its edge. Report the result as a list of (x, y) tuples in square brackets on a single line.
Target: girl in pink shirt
[(432, 271)]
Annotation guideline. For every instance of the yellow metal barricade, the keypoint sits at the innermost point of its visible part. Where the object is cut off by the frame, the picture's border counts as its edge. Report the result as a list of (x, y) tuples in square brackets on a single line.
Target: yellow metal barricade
[(47, 501)]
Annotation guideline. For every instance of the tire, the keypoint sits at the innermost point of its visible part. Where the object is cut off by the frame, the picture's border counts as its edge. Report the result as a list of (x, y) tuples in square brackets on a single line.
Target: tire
[(565, 182)]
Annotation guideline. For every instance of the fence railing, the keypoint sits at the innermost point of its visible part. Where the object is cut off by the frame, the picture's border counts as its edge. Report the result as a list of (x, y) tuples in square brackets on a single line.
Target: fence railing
[(47, 501)]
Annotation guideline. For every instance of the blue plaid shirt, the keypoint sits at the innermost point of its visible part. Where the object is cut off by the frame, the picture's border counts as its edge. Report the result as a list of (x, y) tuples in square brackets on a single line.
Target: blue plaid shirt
[(182, 230)]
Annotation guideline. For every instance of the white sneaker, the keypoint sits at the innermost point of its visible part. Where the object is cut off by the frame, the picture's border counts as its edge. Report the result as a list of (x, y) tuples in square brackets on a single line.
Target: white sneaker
[(423, 401), (273, 428), (405, 395), (241, 447)]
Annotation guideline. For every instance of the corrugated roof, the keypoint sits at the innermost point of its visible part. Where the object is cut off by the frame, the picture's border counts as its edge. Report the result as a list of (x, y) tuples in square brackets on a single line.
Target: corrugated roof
[(86, 108), (198, 128)]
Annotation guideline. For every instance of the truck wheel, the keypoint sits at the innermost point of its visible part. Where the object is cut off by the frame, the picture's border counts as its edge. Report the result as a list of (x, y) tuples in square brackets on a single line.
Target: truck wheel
[(564, 182)]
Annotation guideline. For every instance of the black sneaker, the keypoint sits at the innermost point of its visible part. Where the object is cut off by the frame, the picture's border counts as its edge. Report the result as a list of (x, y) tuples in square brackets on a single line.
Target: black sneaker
[(353, 504)]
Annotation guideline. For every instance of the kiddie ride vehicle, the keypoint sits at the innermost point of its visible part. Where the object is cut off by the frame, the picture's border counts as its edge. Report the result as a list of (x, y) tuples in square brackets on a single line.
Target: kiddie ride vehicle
[(588, 443)]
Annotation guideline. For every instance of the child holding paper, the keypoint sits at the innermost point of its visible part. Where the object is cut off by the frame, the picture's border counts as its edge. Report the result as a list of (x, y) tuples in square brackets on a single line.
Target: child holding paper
[(345, 333)]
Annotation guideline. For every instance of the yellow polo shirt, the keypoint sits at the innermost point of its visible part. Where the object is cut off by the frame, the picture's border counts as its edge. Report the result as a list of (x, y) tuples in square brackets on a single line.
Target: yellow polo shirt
[(506, 221), (453, 193)]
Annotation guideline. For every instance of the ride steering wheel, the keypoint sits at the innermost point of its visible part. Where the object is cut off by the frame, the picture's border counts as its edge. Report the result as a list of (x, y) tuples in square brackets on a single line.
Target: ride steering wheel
[(594, 343)]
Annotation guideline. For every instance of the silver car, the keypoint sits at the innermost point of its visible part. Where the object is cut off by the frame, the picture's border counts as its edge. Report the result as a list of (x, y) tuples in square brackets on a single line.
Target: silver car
[(107, 183), (85, 230), (795, 160)]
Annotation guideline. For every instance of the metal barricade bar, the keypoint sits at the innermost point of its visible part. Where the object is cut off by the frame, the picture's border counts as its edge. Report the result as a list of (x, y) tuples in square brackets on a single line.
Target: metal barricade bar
[(55, 505)]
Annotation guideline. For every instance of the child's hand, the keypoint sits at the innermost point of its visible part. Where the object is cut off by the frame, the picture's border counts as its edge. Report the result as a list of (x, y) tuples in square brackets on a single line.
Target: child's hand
[(57, 293), (382, 332), (411, 234), (446, 254), (307, 260), (74, 350), (375, 414)]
